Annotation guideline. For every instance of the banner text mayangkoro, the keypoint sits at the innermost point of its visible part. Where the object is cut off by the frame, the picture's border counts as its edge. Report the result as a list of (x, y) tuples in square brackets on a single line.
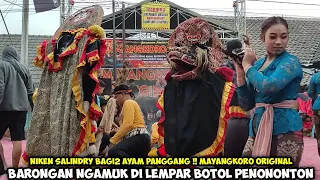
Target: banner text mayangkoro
[(146, 82), (140, 54)]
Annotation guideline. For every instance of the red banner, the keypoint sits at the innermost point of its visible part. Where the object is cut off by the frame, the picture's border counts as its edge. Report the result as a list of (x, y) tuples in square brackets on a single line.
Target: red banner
[(141, 54)]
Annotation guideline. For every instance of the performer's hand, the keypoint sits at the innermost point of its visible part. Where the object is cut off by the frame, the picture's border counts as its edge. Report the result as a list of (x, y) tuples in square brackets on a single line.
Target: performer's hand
[(249, 57), (239, 70), (114, 130), (114, 125), (241, 79), (100, 129)]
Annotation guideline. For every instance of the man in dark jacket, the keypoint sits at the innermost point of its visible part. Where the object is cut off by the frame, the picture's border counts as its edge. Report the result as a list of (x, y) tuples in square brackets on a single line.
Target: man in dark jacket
[(14, 102), (11, 55)]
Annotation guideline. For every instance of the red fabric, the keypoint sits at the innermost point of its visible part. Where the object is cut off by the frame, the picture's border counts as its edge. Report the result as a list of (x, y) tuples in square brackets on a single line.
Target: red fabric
[(81, 139), (162, 151), (226, 73), (25, 156), (93, 128), (307, 125), (305, 106), (168, 76)]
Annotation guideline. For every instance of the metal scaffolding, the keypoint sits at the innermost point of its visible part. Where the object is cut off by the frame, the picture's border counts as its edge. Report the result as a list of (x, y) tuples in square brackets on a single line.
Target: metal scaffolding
[(66, 7), (178, 14), (240, 17)]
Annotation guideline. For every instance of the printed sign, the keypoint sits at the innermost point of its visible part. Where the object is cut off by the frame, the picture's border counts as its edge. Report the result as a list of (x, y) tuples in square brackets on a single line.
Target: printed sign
[(155, 15)]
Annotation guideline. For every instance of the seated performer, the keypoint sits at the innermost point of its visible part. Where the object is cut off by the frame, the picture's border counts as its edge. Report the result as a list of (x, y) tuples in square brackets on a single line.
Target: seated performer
[(132, 138), (271, 85), (196, 100)]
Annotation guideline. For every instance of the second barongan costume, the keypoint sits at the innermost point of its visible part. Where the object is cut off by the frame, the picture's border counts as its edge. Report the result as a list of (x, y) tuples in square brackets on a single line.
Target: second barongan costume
[(62, 122), (196, 101)]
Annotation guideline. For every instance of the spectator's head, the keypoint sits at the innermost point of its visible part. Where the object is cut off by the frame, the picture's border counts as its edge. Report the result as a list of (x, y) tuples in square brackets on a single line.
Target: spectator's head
[(122, 93), (303, 89), (131, 82), (102, 85), (10, 53)]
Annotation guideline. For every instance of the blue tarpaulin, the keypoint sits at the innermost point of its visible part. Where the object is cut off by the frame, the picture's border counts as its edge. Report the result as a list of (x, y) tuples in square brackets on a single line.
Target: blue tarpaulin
[(27, 121)]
